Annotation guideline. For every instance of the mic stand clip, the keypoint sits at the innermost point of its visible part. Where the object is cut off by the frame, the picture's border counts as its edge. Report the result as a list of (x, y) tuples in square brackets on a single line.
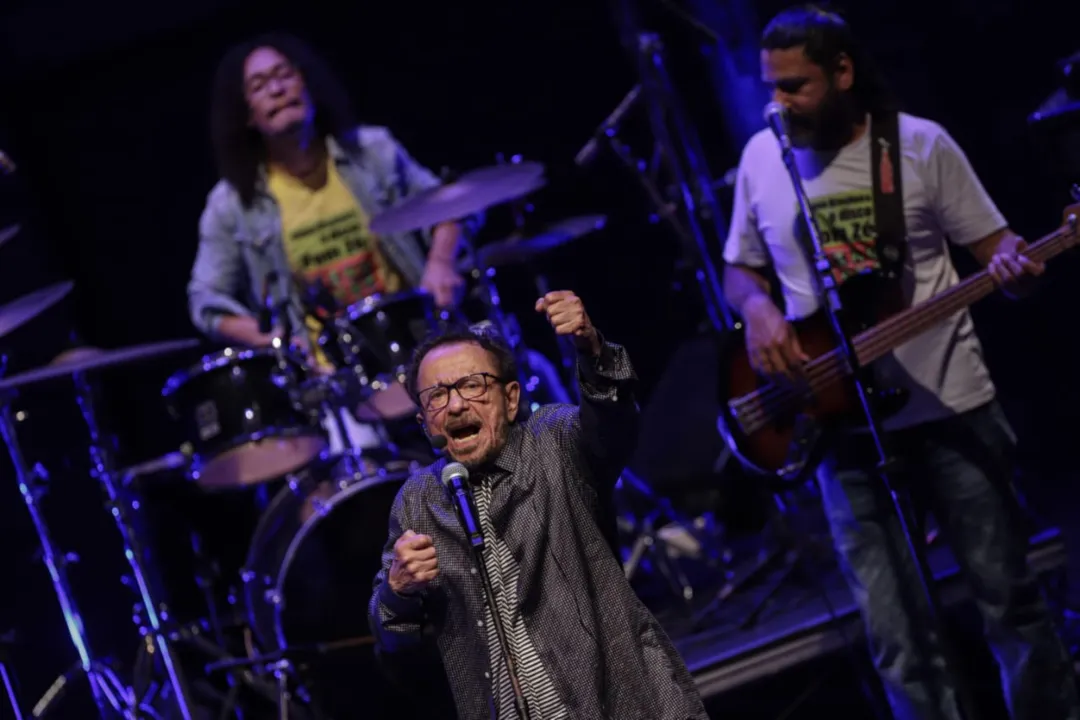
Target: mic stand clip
[(828, 293)]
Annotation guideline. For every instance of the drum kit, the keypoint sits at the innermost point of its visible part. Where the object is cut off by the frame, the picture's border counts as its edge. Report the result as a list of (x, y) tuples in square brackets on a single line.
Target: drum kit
[(252, 549)]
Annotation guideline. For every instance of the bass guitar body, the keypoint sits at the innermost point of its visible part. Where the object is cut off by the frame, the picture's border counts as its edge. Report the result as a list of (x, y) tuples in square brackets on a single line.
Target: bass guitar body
[(775, 428)]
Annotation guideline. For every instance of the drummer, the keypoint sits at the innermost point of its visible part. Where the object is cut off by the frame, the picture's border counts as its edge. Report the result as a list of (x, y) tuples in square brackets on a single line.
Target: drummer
[(300, 181)]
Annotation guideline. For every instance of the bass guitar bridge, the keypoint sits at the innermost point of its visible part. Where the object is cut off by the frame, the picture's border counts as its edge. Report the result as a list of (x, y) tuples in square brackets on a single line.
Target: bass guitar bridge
[(801, 454)]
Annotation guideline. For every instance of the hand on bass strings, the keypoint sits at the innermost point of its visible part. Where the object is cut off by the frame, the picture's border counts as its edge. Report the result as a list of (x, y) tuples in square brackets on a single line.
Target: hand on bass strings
[(415, 564), (771, 342), (566, 313), (1011, 270)]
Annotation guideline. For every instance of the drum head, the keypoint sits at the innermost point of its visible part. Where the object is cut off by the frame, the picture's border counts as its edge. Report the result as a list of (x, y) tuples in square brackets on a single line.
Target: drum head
[(241, 418), (317, 549), (257, 461)]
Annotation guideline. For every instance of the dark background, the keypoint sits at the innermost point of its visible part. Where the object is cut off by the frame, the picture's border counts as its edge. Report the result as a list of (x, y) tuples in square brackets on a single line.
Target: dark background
[(106, 113)]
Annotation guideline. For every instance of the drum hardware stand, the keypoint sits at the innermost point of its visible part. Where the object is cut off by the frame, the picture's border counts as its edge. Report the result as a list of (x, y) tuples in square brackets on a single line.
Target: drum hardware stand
[(650, 540), (109, 694), (277, 665), (192, 636), (7, 677), (791, 548), (568, 353), (503, 322), (148, 608)]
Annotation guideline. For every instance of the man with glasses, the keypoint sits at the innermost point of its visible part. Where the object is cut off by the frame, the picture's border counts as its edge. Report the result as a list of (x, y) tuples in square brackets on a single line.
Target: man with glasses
[(582, 643)]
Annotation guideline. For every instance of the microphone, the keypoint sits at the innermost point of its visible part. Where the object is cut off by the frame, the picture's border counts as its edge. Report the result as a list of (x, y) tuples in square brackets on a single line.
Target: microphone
[(776, 119), (588, 153), (266, 312), (438, 441), (455, 477)]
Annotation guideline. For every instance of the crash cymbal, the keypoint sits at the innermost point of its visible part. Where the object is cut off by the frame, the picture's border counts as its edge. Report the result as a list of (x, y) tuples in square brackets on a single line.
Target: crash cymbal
[(471, 193), (526, 247), (9, 232), (84, 359), (21, 311)]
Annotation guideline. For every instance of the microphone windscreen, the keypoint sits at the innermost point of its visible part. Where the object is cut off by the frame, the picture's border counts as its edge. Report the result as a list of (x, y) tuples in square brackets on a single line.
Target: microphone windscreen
[(453, 470)]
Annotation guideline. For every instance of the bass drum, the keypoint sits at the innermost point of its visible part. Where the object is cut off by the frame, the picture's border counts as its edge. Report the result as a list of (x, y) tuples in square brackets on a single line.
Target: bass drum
[(309, 573)]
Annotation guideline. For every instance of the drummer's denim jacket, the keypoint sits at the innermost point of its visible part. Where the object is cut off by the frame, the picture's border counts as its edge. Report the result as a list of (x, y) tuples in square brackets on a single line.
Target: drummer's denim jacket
[(240, 247)]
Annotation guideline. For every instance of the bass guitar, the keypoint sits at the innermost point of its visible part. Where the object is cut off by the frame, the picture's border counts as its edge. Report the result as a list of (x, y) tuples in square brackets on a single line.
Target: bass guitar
[(773, 428)]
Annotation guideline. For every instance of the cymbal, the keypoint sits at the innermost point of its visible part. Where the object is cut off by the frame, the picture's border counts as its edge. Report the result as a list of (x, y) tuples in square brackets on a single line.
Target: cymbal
[(9, 232), (19, 312), (522, 248), (84, 359), (471, 193)]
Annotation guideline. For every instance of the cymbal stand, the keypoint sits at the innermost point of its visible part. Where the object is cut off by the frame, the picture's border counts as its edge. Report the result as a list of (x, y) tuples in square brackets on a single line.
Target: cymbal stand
[(7, 678), (149, 608), (107, 690), (567, 353), (505, 323)]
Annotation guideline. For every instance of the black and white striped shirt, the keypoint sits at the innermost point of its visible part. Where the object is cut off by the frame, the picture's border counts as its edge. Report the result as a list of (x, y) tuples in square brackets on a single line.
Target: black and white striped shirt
[(540, 693)]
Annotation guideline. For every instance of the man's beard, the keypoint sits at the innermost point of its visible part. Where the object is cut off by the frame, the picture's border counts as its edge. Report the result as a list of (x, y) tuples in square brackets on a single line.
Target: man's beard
[(828, 128)]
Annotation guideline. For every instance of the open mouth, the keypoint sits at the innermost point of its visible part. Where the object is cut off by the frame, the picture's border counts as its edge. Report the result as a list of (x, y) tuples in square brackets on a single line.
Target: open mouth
[(464, 432)]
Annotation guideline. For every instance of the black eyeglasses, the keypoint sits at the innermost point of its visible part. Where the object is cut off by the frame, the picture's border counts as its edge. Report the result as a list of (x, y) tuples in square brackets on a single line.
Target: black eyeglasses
[(470, 387)]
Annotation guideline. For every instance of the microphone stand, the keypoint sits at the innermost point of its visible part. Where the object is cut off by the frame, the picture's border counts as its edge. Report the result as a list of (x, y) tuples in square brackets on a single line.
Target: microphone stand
[(829, 297), (463, 500), (673, 132)]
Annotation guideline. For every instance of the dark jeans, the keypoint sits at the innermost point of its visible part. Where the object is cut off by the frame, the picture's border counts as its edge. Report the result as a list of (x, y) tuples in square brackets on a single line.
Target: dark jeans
[(960, 469)]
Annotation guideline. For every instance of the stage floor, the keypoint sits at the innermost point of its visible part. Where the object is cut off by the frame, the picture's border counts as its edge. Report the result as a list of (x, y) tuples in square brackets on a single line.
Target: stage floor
[(796, 627)]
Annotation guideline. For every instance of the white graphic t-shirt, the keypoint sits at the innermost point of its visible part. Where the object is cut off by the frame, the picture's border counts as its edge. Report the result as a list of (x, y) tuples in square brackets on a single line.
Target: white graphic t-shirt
[(943, 368)]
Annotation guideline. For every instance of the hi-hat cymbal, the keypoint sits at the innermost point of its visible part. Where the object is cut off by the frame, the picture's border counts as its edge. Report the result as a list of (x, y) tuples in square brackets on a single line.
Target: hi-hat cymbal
[(19, 312), (84, 359), (525, 247), (9, 232), (471, 193)]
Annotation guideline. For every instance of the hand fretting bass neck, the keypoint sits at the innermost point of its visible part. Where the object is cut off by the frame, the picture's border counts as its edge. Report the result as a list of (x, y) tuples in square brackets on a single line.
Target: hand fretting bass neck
[(770, 426)]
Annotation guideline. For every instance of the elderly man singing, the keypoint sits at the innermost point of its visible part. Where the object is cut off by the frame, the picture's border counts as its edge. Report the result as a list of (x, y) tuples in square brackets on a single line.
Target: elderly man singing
[(581, 644)]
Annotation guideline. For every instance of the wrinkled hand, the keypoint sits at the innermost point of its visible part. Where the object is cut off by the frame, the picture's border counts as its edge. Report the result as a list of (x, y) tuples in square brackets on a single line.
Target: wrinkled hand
[(566, 313), (415, 564), (441, 279), (771, 341), (1013, 272)]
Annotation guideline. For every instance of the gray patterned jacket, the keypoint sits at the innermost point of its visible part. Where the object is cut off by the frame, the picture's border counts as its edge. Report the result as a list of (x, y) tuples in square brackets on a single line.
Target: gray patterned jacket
[(605, 652)]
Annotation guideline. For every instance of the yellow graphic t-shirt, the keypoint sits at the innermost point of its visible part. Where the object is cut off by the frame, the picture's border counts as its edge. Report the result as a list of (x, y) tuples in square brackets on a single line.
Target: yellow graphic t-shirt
[(328, 238)]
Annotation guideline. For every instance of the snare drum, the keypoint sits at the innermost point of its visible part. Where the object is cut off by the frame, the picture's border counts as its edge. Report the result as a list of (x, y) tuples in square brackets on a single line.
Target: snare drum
[(241, 418), (388, 329)]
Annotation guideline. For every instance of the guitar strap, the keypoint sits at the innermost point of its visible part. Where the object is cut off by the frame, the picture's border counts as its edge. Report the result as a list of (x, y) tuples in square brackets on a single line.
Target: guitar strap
[(890, 244)]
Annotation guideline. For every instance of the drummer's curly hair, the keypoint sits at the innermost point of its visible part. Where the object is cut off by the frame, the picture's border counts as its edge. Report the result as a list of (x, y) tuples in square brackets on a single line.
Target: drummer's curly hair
[(238, 147), (482, 334)]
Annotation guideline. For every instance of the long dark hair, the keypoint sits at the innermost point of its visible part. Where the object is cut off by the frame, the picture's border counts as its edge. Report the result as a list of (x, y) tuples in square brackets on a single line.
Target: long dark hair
[(824, 36), (238, 147)]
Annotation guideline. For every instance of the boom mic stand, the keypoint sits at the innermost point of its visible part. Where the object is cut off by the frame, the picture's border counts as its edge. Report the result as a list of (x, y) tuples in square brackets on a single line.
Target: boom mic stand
[(681, 151), (829, 298)]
